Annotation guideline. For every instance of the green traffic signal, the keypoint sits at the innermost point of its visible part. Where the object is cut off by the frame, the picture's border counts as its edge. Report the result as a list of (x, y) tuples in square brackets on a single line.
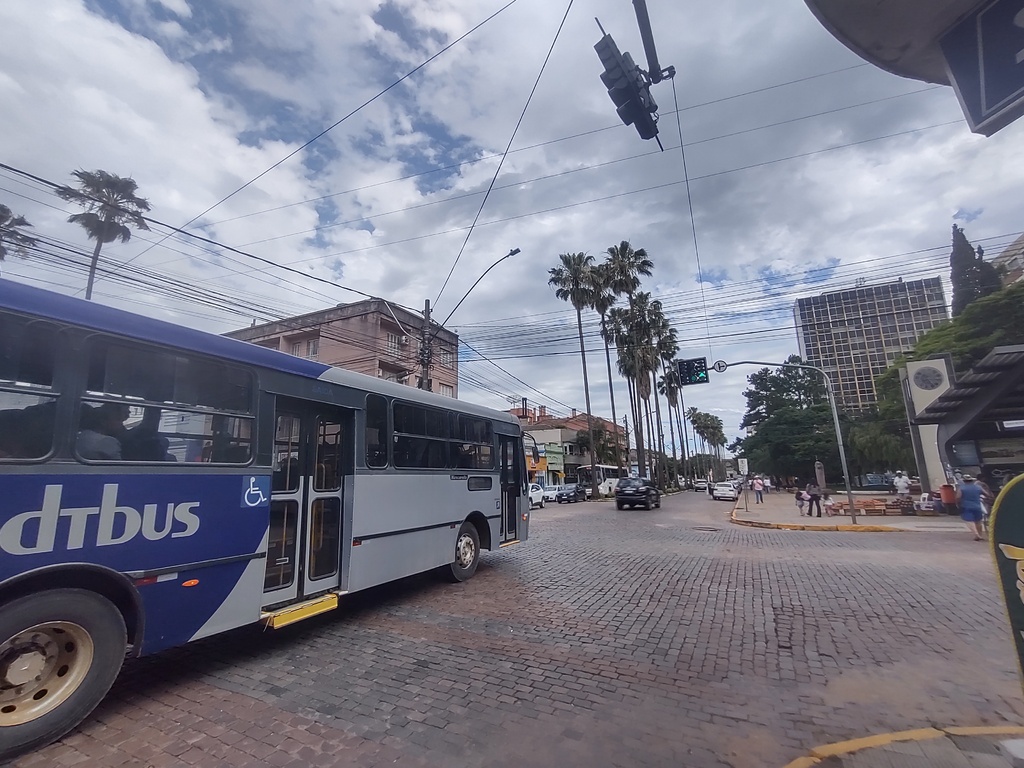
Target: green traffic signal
[(693, 370)]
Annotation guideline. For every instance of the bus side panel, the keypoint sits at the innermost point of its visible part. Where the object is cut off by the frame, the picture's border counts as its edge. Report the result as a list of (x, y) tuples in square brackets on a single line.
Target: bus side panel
[(404, 522), (151, 526), (229, 594), (378, 561)]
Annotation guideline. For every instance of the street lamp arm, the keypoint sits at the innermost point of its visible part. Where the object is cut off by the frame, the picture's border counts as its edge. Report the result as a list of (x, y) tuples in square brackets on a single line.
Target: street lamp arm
[(513, 252)]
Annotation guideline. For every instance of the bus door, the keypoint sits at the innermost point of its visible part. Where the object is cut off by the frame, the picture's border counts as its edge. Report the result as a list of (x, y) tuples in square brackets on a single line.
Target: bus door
[(510, 454), (305, 547)]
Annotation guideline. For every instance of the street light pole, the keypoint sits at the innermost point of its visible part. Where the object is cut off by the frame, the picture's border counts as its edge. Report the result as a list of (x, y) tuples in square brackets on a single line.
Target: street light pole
[(426, 337), (835, 419)]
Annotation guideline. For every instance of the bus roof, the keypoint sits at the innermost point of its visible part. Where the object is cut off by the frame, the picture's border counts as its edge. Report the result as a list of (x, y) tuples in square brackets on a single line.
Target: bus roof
[(37, 302)]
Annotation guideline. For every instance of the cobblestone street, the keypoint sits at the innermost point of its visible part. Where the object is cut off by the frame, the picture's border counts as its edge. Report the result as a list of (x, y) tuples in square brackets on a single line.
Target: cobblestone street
[(632, 638)]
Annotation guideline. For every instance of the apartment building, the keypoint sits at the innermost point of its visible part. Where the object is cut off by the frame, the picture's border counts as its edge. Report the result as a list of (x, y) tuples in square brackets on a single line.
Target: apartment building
[(1010, 262), (374, 337), (856, 334)]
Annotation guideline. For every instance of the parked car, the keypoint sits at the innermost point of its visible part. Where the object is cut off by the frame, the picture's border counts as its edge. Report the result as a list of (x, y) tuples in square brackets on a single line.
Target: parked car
[(536, 496), (700, 484), (551, 491), (635, 492), (725, 491), (570, 493)]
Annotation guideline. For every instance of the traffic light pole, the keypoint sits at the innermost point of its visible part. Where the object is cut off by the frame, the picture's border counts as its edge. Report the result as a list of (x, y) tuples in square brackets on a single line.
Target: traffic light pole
[(835, 419)]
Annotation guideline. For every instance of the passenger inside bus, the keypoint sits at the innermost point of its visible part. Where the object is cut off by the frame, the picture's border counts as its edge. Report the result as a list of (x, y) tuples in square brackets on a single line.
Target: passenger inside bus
[(101, 431), (27, 433)]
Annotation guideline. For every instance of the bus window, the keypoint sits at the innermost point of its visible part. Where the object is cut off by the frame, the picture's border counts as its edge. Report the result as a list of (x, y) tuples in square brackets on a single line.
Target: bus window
[(286, 454), (168, 408), (420, 437), (376, 431), (28, 406)]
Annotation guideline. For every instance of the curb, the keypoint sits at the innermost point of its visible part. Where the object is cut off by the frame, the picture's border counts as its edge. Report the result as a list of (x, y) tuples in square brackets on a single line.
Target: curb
[(849, 528), (817, 754)]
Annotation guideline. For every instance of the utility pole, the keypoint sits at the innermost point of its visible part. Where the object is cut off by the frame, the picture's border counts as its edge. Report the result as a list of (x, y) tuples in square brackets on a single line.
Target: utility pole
[(425, 353)]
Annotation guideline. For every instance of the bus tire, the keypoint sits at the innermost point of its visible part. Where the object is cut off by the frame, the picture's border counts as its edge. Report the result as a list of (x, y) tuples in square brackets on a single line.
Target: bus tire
[(467, 554), (60, 652)]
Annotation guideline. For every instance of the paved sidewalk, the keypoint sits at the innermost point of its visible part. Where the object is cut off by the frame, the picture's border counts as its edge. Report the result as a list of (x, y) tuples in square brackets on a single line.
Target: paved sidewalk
[(971, 747), (779, 511)]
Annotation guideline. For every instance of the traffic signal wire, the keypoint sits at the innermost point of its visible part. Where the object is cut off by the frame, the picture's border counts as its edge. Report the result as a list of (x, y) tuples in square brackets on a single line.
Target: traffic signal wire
[(693, 221), (504, 154)]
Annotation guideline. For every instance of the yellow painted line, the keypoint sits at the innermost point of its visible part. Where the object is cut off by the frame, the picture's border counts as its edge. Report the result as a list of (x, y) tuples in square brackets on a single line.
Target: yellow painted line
[(986, 730), (833, 528), (878, 740), (803, 762), (817, 754)]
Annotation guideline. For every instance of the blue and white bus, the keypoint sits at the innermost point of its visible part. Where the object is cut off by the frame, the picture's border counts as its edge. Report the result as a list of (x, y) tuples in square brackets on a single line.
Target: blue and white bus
[(161, 484)]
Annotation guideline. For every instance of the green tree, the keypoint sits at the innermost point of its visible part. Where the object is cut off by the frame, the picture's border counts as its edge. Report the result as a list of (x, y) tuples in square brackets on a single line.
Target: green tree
[(602, 300), (111, 208), (574, 283), (606, 451), (626, 266), (12, 239), (772, 389), (973, 278), (791, 439)]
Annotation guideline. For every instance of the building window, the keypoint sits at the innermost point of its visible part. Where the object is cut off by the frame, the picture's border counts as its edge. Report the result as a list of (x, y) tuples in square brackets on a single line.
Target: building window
[(447, 390), (297, 348), (394, 342), (447, 358), (312, 349)]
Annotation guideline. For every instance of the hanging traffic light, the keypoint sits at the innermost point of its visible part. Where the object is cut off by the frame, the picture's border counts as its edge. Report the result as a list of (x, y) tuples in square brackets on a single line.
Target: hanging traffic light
[(693, 371), (627, 88)]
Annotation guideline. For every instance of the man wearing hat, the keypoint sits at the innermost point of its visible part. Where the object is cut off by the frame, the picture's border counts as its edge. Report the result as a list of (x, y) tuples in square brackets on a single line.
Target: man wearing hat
[(969, 496), (902, 484)]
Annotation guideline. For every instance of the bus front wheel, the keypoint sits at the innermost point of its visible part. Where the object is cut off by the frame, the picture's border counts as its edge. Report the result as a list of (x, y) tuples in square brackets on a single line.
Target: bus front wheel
[(60, 652), (467, 554)]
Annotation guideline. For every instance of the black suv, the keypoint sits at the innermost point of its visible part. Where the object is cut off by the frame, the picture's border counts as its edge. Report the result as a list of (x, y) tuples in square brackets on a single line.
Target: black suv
[(570, 493), (636, 491)]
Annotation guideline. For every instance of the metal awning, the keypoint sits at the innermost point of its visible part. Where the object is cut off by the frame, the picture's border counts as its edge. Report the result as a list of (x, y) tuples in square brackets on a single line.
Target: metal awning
[(900, 36), (992, 391)]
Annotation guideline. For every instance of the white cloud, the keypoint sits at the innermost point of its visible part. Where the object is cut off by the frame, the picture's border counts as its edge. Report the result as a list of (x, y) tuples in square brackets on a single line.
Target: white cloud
[(195, 106)]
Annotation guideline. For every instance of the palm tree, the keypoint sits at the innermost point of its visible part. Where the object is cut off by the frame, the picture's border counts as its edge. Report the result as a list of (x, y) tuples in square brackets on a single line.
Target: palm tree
[(626, 266), (601, 301), (12, 240), (110, 205), (573, 282)]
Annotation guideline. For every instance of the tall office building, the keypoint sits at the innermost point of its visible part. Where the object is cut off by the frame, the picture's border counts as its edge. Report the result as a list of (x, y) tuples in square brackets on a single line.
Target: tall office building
[(856, 334)]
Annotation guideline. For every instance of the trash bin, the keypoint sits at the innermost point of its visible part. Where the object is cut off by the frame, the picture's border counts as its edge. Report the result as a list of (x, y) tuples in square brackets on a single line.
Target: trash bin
[(947, 494)]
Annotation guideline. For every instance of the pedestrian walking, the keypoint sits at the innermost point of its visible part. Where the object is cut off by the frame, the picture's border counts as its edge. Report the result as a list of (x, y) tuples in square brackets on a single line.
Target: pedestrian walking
[(813, 491), (800, 501), (902, 484), (758, 486), (767, 484), (970, 496)]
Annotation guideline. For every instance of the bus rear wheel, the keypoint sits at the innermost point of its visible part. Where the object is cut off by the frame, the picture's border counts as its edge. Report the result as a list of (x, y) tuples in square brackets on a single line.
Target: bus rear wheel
[(60, 652), (467, 554)]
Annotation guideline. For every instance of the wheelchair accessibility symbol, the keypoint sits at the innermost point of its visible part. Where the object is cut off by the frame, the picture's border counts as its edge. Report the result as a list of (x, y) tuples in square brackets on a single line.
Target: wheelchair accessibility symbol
[(255, 491)]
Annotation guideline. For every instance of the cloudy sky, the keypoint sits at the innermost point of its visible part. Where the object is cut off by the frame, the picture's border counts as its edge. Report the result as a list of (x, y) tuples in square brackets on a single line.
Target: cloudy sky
[(805, 167)]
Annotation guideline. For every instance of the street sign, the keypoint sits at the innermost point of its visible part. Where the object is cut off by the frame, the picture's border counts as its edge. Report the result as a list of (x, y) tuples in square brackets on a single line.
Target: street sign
[(985, 59), (1007, 531), (742, 463), (720, 366)]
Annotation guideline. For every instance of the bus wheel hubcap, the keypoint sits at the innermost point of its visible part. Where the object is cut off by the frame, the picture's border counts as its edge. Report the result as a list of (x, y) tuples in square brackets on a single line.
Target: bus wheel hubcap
[(464, 551), (40, 668)]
